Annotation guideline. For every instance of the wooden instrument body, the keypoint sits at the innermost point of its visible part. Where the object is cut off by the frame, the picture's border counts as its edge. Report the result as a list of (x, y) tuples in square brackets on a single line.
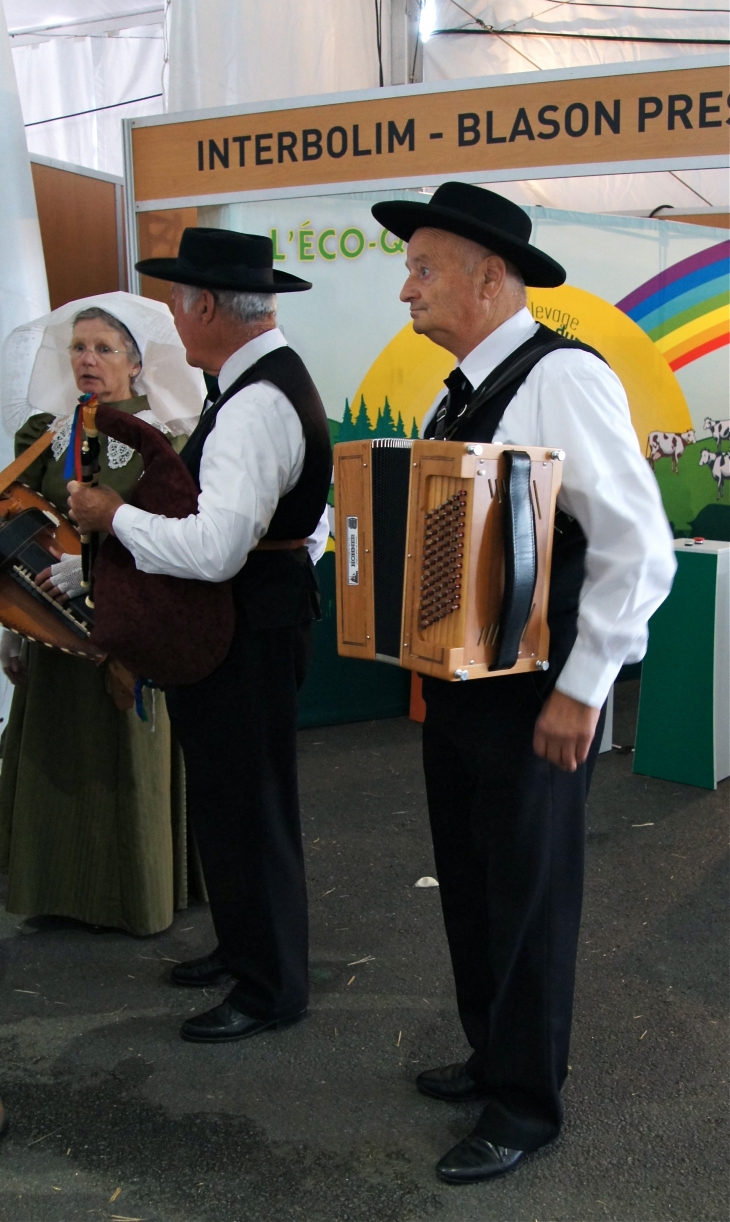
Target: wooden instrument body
[(33, 614), (460, 643)]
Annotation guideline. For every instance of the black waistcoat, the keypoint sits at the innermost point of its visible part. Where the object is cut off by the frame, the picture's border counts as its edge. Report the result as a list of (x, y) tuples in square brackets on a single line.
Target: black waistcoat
[(299, 510), (479, 422)]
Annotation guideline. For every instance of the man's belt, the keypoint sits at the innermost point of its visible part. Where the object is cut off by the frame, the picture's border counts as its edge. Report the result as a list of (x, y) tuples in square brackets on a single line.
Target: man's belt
[(279, 545)]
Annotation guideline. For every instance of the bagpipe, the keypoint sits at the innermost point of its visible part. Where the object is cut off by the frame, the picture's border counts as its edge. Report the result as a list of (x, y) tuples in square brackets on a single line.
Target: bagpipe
[(159, 629)]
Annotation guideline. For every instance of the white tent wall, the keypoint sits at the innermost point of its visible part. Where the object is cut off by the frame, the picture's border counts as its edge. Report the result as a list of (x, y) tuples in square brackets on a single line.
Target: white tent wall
[(66, 75), (93, 56), (633, 193), (23, 286), (224, 52)]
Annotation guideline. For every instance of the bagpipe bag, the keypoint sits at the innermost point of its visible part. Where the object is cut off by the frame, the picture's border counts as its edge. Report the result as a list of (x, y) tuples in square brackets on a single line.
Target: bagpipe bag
[(170, 630)]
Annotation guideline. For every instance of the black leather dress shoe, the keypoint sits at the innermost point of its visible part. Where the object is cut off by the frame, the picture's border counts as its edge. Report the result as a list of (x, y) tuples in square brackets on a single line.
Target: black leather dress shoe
[(451, 1083), (225, 1023), (475, 1159), (198, 973)]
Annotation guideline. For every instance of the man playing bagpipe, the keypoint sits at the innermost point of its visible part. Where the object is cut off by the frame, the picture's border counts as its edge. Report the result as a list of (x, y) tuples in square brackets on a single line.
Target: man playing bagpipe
[(508, 760), (261, 458)]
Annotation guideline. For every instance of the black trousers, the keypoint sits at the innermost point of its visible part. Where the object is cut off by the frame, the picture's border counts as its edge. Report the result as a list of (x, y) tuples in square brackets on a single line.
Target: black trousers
[(237, 729), (508, 835)]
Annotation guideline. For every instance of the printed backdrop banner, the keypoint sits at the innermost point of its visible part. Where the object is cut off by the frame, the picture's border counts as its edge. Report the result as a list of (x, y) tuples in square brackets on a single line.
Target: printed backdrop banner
[(651, 296)]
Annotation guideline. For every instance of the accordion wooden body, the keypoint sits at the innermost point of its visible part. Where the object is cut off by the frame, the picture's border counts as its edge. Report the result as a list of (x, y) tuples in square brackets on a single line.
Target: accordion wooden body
[(443, 553)]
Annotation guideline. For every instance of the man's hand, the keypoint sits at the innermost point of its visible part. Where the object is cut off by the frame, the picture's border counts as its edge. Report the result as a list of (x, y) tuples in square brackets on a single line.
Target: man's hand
[(564, 731), (92, 509)]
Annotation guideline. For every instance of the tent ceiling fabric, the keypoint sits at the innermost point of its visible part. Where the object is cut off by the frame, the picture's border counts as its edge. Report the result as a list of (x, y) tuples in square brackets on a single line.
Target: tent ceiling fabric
[(558, 34), (451, 56), (40, 15), (83, 55)]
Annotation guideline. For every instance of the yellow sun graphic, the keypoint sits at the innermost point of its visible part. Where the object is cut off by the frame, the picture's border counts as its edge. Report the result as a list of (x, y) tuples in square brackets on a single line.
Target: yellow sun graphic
[(410, 370)]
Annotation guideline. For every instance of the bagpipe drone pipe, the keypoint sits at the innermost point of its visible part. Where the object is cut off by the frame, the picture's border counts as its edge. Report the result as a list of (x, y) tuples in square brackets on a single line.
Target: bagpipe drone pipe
[(443, 554)]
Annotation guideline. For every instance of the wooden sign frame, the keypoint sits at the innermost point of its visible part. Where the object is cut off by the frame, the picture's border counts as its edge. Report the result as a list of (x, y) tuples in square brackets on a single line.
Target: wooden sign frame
[(618, 118)]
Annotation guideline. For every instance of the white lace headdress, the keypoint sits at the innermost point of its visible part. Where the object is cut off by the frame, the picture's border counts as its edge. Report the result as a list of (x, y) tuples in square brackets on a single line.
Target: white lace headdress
[(36, 368)]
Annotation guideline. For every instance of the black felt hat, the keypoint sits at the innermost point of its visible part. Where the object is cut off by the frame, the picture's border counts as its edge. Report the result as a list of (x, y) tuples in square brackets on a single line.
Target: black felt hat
[(485, 217), (221, 259)]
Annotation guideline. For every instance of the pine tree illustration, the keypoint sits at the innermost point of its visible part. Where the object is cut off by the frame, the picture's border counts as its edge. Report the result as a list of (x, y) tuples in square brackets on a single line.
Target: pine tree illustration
[(362, 429), (400, 428), (347, 428), (414, 430), (386, 423)]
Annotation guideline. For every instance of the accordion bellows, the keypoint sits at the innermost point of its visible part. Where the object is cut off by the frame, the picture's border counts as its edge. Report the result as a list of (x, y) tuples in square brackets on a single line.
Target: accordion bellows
[(443, 554)]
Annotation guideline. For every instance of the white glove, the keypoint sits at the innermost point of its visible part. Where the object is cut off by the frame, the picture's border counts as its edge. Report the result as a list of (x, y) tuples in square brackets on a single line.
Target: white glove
[(66, 575), (10, 649)]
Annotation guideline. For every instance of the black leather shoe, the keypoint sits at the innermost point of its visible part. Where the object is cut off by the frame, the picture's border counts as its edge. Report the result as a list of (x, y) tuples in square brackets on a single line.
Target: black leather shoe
[(474, 1159), (451, 1083), (198, 973), (225, 1023)]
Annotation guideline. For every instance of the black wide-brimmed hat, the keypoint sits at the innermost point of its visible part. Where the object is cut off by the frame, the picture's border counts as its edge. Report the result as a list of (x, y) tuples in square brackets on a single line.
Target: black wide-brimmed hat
[(221, 259), (485, 217)]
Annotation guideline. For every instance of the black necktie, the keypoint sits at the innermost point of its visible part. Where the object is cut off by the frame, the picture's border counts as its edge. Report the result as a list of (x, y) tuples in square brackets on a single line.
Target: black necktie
[(460, 391), (212, 389)]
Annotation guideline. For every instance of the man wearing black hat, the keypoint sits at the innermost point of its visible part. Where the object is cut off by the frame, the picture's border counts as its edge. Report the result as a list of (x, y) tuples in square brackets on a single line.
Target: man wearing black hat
[(262, 459), (508, 760)]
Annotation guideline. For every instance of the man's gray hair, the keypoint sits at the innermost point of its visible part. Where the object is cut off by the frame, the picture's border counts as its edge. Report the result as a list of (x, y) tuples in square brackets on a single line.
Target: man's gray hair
[(474, 253), (243, 307), (95, 313)]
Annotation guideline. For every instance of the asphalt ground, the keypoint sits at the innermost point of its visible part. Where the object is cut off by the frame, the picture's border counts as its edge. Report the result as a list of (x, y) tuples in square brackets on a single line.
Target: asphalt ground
[(114, 1117)]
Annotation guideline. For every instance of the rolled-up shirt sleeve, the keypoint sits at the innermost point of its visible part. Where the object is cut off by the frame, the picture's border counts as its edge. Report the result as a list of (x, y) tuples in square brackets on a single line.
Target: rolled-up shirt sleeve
[(317, 542), (252, 457), (609, 488)]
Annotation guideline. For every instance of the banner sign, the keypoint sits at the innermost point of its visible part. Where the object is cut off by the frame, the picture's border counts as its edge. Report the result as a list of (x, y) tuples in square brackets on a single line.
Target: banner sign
[(611, 119), (652, 296)]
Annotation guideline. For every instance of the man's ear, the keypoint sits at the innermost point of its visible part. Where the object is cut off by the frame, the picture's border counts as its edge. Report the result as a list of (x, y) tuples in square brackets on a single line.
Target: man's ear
[(494, 271), (206, 307)]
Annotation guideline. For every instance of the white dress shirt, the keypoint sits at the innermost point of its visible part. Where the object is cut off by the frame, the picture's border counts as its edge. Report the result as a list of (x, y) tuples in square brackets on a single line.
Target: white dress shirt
[(252, 457), (574, 402)]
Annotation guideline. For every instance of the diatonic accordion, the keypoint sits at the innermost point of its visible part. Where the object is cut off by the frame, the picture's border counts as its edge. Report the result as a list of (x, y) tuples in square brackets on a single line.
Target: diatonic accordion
[(443, 552)]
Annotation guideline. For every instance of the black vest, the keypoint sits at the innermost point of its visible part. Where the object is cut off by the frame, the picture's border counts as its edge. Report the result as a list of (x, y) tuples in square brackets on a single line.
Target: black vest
[(299, 510), (479, 422)]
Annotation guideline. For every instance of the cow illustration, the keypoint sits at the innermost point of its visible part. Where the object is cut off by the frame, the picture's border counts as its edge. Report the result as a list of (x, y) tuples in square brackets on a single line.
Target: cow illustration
[(719, 465), (668, 445), (719, 430)]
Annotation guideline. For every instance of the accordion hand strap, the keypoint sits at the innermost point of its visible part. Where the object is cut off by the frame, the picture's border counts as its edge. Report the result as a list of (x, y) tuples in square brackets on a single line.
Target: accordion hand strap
[(16, 468), (520, 559)]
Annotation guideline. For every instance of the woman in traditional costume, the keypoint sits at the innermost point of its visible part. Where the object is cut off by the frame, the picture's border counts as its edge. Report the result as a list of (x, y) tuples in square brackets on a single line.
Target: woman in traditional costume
[(92, 816)]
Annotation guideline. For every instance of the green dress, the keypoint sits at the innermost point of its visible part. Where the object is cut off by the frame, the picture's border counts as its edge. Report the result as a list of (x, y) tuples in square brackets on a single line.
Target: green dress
[(92, 799)]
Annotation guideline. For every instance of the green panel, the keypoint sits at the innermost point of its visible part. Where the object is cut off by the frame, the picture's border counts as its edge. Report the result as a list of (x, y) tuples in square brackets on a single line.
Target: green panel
[(346, 689), (675, 731), (690, 497)]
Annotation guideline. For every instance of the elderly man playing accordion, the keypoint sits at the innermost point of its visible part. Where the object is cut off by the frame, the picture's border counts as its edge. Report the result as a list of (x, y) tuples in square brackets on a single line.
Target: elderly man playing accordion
[(508, 760)]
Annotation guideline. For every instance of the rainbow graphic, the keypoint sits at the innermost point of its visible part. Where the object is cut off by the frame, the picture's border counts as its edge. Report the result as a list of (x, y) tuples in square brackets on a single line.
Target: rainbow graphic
[(685, 310)]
